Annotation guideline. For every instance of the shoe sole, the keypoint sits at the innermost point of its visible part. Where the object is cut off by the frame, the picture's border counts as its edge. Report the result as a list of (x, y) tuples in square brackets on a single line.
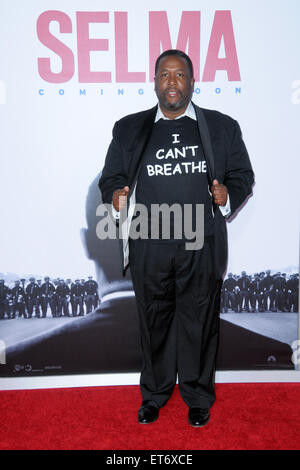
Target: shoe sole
[(148, 422), (198, 425)]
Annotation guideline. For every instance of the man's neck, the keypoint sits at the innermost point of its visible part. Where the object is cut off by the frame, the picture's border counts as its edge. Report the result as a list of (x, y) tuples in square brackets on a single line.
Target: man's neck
[(173, 114), (188, 111)]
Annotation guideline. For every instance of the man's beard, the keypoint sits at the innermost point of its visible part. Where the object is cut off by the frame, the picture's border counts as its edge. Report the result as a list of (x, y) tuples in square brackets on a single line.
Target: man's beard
[(183, 100)]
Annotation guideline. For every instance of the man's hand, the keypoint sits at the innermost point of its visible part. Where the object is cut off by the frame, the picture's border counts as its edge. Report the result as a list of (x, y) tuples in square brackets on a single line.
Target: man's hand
[(219, 192), (120, 197)]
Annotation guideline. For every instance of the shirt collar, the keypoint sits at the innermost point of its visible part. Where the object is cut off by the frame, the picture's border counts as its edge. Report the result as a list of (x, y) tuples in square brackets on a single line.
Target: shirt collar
[(189, 112)]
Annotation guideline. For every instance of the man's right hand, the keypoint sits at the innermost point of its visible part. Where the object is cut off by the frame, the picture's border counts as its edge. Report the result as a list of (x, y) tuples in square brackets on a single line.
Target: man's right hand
[(120, 198)]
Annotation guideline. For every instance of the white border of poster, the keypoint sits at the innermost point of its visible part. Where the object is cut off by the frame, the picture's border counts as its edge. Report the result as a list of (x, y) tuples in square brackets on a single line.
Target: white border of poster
[(28, 383), (73, 68)]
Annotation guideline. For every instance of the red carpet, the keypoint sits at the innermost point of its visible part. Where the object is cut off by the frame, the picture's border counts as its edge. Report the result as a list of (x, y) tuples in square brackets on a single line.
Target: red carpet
[(244, 416)]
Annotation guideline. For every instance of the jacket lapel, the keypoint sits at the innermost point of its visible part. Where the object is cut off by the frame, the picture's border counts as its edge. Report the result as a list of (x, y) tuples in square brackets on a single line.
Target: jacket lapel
[(141, 140), (206, 142), (140, 143)]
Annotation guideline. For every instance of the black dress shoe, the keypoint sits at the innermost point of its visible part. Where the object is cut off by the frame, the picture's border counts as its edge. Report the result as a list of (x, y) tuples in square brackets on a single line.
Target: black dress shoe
[(147, 414), (198, 417)]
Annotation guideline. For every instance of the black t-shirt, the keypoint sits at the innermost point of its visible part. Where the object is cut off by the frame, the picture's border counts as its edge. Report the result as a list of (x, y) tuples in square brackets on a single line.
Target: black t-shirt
[(174, 171)]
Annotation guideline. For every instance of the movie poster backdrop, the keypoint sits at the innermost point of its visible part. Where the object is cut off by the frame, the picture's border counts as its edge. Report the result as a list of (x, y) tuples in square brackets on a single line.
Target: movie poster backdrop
[(68, 71)]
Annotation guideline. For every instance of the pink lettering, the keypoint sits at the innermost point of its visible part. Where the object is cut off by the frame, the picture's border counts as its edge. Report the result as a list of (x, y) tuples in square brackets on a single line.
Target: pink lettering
[(121, 52), (85, 45), (159, 38), (50, 41), (222, 28), (188, 38)]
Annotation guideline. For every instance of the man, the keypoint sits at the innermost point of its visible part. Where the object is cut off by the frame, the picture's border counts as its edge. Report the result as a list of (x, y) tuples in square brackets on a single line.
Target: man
[(47, 294), (33, 298), (4, 293), (244, 294), (91, 294), (178, 291), (268, 291), (256, 293), (292, 287), (284, 293), (77, 295), (39, 284), (229, 293), (279, 287), (18, 300), (63, 297)]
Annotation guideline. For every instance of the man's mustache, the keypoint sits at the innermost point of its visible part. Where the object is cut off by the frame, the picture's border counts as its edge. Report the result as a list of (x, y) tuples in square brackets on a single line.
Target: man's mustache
[(173, 89)]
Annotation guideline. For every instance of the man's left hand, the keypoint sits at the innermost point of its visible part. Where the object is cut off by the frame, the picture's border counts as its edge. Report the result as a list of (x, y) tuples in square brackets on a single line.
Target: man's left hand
[(219, 193)]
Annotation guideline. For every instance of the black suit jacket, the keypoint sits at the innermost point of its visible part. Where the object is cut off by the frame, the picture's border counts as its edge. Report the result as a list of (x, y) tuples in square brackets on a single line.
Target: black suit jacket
[(225, 152)]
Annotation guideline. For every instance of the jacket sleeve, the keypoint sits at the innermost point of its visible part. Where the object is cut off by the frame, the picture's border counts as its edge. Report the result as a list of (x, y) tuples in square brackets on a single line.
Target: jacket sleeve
[(239, 176), (113, 176)]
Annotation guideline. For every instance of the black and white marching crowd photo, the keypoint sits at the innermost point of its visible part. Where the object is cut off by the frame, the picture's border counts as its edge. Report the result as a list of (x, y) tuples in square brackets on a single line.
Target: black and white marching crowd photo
[(41, 298), (260, 292), (37, 298)]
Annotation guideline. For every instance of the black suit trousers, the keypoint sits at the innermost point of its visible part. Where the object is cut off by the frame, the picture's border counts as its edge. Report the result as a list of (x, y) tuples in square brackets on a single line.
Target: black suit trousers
[(178, 300)]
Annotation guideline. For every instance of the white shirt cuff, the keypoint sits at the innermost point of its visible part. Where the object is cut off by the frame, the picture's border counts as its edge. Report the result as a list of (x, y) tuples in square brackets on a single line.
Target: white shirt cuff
[(226, 210), (115, 213)]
